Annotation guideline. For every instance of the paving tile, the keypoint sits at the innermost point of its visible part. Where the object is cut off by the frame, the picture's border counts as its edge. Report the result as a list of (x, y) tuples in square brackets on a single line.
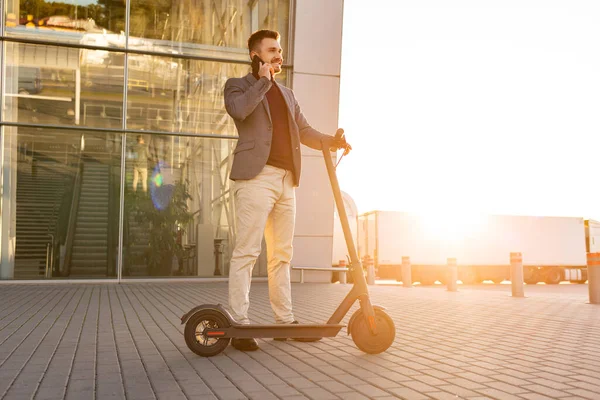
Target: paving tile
[(370, 390), (384, 383), (535, 396), (300, 382), (264, 395), (545, 390), (284, 390), (442, 395), (505, 387), (335, 386), (556, 385), (318, 394), (457, 390), (408, 393), (498, 394), (465, 383), (586, 394)]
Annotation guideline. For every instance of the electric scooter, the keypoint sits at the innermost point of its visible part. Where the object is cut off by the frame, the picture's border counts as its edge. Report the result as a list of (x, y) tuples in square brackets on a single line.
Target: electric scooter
[(210, 327)]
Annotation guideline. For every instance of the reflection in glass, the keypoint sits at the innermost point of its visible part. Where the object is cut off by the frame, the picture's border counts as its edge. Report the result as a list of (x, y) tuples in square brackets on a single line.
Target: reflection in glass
[(175, 95), (205, 27), (89, 22), (67, 204), (66, 86), (180, 221)]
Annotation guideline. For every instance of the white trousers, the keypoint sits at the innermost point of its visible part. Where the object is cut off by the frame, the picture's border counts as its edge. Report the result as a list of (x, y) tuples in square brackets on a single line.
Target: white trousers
[(137, 171), (265, 204)]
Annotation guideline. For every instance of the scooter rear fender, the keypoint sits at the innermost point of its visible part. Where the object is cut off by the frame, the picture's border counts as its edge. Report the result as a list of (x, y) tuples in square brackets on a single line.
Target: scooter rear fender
[(217, 307)]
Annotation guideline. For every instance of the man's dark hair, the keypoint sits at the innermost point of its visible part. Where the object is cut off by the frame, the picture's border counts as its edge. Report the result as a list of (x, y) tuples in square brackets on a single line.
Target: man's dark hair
[(256, 38)]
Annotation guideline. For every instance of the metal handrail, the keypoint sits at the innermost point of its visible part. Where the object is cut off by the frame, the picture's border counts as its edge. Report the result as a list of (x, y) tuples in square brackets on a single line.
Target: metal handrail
[(113, 221), (52, 233), (73, 215), (49, 256)]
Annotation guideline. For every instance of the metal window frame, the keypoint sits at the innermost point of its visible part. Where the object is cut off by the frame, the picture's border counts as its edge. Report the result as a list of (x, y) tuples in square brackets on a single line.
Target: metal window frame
[(123, 145), (115, 130), (2, 18), (130, 51)]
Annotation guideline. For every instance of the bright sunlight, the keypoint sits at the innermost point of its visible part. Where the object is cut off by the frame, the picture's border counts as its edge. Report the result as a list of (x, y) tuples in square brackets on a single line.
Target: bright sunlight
[(491, 105)]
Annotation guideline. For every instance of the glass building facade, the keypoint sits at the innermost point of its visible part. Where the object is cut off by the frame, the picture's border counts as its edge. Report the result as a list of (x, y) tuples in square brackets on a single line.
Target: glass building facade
[(116, 146)]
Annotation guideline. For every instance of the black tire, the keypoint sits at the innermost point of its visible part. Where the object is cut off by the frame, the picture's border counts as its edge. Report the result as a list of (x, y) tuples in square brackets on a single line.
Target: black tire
[(426, 281), (553, 276), (198, 343), (468, 276), (373, 344)]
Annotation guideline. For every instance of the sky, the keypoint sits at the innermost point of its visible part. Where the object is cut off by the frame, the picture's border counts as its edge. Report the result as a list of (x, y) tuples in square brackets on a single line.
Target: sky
[(482, 106)]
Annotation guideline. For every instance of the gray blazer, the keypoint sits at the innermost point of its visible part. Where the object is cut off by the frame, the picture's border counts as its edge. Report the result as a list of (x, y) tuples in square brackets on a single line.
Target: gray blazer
[(246, 103)]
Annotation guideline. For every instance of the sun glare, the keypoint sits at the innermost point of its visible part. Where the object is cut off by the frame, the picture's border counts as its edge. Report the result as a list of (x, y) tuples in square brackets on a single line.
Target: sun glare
[(451, 226)]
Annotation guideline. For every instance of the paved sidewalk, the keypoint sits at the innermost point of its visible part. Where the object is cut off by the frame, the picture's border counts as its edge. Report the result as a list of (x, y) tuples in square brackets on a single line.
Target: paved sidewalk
[(86, 341)]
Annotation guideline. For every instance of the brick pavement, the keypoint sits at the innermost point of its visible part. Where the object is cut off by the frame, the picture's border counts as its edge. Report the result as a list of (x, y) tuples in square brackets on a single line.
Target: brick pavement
[(86, 341)]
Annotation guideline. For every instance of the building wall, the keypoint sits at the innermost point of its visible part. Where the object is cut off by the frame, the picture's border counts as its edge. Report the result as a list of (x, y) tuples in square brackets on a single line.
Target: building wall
[(316, 82)]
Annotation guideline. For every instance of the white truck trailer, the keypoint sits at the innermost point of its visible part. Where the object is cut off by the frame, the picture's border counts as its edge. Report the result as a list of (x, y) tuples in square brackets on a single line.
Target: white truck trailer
[(553, 248)]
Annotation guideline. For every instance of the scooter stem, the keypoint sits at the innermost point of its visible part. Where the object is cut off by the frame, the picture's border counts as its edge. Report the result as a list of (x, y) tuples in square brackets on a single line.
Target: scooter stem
[(360, 289)]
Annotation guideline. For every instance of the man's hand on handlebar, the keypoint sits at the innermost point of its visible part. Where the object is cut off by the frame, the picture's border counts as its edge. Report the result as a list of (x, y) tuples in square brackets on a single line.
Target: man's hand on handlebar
[(337, 142)]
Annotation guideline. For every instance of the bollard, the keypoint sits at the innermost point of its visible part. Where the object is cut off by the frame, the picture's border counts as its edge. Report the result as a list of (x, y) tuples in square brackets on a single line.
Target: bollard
[(452, 275), (593, 273), (406, 275), (516, 275), (370, 271), (342, 274)]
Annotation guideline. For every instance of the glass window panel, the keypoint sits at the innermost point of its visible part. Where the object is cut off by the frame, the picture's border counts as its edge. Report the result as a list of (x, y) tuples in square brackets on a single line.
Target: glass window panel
[(178, 209), (176, 95), (205, 27), (67, 203), (64, 86), (89, 22)]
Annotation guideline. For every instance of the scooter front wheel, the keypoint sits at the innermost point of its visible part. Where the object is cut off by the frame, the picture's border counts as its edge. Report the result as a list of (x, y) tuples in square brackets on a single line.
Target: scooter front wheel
[(194, 333), (367, 342)]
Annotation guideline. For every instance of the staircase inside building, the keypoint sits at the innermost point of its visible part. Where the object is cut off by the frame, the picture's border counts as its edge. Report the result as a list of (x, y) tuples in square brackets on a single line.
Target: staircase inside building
[(89, 255), (63, 224), (40, 191)]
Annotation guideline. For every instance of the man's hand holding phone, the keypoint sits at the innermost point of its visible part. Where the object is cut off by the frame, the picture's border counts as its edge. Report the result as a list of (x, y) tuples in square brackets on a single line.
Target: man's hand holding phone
[(266, 70), (261, 68)]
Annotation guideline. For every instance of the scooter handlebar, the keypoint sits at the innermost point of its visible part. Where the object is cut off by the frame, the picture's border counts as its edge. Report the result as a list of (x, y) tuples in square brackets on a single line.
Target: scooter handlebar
[(337, 142)]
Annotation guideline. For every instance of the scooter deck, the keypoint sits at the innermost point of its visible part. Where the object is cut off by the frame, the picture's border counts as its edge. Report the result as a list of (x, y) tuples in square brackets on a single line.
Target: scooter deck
[(305, 331)]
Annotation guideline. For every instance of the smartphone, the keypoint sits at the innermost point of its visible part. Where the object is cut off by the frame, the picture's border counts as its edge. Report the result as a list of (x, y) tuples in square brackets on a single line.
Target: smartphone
[(256, 63)]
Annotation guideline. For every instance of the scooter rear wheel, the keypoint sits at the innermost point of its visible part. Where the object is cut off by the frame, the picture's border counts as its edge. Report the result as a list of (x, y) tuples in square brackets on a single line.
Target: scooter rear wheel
[(373, 344), (198, 342)]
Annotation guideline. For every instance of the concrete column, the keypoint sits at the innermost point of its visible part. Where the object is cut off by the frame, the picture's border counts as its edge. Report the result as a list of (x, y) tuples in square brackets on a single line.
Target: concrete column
[(342, 274), (452, 275), (593, 269), (406, 272), (516, 275), (9, 149), (370, 271), (315, 80)]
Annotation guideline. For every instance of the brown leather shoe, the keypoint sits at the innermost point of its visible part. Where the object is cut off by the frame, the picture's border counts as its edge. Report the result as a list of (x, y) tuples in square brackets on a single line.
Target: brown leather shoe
[(249, 344)]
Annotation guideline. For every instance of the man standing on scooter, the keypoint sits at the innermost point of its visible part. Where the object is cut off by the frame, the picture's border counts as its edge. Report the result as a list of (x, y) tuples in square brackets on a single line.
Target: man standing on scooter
[(266, 171)]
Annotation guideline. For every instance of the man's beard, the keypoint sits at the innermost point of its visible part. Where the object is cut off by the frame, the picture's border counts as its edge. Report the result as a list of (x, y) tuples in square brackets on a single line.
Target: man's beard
[(276, 66)]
